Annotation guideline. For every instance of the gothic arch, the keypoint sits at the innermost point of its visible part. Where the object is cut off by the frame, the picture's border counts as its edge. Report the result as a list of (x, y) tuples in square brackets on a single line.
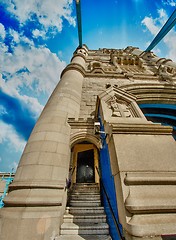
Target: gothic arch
[(152, 93), (84, 136), (157, 102), (85, 153)]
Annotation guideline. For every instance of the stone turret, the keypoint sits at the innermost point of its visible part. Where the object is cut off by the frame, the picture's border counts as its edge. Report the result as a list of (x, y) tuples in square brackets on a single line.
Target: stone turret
[(36, 201)]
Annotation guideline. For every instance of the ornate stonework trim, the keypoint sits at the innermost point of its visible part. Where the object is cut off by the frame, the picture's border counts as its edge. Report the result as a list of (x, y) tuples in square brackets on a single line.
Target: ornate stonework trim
[(133, 179), (83, 130), (74, 66), (35, 202), (150, 205), (148, 93), (27, 185), (120, 103), (82, 52), (147, 129), (78, 137)]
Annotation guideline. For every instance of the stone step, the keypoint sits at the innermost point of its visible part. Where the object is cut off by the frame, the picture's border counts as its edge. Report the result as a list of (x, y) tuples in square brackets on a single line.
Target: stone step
[(85, 217), (85, 210), (84, 237), (89, 218), (85, 197), (91, 203), (86, 189), (84, 228), (86, 185), (85, 193)]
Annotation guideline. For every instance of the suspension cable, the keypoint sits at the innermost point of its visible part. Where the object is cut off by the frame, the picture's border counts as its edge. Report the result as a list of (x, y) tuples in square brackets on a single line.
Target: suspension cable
[(164, 30), (78, 14)]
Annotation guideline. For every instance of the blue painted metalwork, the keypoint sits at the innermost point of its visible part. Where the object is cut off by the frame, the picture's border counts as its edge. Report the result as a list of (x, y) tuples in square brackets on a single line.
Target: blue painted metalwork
[(158, 105), (164, 30), (160, 116), (79, 21), (108, 183), (8, 181), (161, 113)]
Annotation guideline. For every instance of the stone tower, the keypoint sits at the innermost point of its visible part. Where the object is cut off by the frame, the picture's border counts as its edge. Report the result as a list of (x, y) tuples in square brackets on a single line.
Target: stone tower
[(100, 103)]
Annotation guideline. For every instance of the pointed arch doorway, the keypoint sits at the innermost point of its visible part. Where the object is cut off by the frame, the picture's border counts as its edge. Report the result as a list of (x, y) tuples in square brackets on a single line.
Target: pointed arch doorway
[(84, 163)]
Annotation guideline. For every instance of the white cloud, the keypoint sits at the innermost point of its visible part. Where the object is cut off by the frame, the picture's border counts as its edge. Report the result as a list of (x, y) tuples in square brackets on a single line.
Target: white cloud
[(49, 14), (156, 51), (154, 25), (170, 41), (15, 35), (8, 134), (172, 3), (37, 69), (36, 33), (30, 67), (37, 66), (32, 103), (2, 31), (149, 22)]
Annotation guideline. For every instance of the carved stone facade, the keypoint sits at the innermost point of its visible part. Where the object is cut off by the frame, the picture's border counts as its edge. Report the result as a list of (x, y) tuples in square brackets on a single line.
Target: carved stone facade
[(107, 85)]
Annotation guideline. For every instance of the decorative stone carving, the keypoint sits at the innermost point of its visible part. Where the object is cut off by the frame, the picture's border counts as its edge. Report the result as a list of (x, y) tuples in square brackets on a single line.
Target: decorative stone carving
[(101, 67), (81, 51), (118, 105), (166, 73), (115, 62), (119, 108), (123, 61), (94, 64), (96, 67), (126, 62)]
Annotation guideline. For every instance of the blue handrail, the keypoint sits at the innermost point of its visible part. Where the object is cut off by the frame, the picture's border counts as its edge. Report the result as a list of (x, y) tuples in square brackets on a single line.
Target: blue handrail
[(8, 181), (111, 208)]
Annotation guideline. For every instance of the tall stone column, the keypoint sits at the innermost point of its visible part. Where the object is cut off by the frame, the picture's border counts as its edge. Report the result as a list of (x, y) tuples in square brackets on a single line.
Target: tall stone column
[(36, 202)]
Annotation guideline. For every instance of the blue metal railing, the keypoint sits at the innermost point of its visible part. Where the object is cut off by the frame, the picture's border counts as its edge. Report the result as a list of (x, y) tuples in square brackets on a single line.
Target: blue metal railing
[(108, 189), (116, 222)]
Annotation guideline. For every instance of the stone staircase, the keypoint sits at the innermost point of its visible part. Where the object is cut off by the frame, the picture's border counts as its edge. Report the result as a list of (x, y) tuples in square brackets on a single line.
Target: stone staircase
[(84, 217)]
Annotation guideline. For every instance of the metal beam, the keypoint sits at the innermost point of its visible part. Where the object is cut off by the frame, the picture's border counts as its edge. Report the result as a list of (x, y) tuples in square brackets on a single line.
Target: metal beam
[(78, 14), (164, 30)]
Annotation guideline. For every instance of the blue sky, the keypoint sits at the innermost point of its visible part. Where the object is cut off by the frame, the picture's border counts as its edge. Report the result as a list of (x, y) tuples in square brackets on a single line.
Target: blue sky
[(37, 39)]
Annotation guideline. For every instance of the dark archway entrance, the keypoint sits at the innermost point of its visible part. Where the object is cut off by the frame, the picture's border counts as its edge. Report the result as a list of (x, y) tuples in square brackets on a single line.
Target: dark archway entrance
[(84, 162), (85, 167)]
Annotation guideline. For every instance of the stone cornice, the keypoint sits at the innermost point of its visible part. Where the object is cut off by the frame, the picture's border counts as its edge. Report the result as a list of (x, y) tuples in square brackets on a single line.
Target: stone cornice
[(36, 202), (83, 130), (152, 92), (74, 66), (80, 55), (81, 123), (150, 178), (38, 185), (137, 76), (78, 67), (144, 129), (104, 74)]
